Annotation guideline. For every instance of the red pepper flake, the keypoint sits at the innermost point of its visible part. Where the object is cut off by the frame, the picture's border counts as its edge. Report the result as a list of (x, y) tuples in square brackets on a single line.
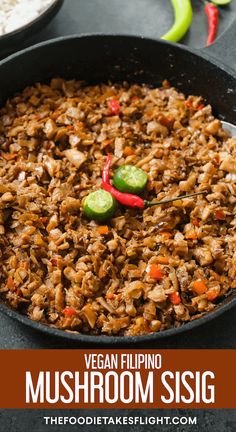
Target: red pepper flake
[(175, 298), (68, 311), (188, 104), (200, 107), (114, 106), (44, 219), (220, 215)]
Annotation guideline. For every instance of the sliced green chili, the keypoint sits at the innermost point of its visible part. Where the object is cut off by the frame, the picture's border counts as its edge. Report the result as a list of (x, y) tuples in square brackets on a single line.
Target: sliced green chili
[(130, 179), (99, 205), (221, 2)]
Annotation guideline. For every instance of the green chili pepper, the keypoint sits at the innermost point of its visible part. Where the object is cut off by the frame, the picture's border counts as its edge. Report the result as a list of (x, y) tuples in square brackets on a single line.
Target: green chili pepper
[(99, 205), (221, 2), (130, 179), (183, 18)]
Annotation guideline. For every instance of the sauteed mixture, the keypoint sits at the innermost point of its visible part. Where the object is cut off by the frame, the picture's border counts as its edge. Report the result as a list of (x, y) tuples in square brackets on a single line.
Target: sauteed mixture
[(142, 270)]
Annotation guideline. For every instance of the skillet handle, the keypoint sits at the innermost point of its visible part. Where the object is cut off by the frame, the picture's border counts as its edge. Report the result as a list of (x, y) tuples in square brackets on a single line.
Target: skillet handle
[(224, 48)]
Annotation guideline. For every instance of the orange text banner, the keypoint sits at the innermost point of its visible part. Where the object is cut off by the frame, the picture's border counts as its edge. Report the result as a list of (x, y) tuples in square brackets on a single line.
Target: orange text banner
[(119, 379)]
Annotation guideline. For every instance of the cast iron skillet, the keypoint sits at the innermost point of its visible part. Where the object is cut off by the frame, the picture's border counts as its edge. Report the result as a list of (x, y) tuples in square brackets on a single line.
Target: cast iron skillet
[(10, 41), (98, 58)]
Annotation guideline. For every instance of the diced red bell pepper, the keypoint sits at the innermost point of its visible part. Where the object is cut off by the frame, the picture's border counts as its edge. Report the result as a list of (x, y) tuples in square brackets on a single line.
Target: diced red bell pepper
[(11, 284), (220, 215), (155, 272), (175, 298), (200, 107), (114, 106), (68, 311)]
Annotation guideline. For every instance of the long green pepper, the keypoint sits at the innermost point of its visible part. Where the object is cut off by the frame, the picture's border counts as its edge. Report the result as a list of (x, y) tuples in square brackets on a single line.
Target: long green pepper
[(183, 18)]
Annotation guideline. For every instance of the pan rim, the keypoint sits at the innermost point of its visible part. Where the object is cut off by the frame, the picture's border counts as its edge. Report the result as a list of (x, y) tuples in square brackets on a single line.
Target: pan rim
[(122, 340), (201, 52), (113, 340)]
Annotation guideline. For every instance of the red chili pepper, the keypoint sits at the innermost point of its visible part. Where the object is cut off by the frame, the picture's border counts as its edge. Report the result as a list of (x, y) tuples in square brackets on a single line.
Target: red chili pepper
[(114, 106), (213, 20), (131, 200), (126, 199)]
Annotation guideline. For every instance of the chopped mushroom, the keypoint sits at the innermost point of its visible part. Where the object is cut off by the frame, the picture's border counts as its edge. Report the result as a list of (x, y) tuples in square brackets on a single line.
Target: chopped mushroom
[(114, 325), (157, 294), (70, 205), (106, 306), (203, 255), (89, 314), (50, 128), (76, 157), (52, 166), (229, 164), (134, 289), (119, 144)]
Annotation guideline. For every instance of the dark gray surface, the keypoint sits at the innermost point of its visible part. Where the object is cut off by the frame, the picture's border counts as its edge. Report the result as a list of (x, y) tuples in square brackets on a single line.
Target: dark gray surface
[(150, 18), (32, 420)]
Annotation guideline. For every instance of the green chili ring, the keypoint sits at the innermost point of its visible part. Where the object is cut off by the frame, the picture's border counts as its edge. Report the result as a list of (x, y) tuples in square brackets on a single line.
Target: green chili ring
[(130, 179), (99, 205)]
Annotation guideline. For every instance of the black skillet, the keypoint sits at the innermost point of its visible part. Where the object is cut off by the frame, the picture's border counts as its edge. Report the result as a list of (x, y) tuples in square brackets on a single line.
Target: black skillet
[(98, 58)]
